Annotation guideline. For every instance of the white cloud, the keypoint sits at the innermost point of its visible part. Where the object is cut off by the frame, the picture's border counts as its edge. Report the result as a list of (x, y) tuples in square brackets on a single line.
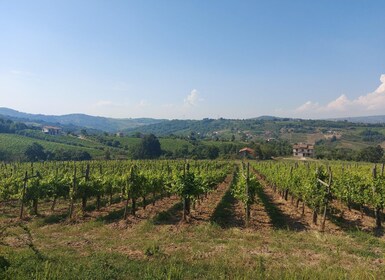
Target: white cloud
[(193, 98), (308, 106), (371, 103)]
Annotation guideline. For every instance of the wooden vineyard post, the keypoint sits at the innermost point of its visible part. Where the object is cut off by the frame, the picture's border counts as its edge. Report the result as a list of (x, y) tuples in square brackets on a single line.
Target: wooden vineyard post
[(127, 201), (84, 197), (247, 195), (55, 196), (377, 210), (73, 194), (287, 190), (23, 194), (186, 199), (327, 199), (98, 196)]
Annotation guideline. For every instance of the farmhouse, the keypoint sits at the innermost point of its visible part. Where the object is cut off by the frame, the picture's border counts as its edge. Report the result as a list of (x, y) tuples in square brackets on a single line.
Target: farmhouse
[(303, 150), (51, 130)]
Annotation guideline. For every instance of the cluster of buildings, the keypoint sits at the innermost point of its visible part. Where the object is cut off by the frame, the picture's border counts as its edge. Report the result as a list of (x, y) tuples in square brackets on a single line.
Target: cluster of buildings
[(301, 150)]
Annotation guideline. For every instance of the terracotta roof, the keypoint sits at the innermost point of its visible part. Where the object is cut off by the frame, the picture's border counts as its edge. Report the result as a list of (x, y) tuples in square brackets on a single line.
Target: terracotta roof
[(247, 150)]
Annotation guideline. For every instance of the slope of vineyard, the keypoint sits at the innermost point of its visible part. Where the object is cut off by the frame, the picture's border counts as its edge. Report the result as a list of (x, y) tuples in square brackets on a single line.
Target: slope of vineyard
[(17, 144)]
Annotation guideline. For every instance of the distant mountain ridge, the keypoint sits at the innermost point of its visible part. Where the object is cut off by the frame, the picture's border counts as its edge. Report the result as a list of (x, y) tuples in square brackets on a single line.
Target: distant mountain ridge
[(81, 120), (159, 126), (365, 119)]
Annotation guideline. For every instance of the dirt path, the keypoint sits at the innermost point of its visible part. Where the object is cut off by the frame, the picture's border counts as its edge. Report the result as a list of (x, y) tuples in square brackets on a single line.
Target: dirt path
[(222, 208), (205, 208)]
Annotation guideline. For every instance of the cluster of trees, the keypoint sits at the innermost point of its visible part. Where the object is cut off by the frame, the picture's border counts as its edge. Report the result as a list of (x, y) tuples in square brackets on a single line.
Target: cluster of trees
[(372, 136), (35, 152), (108, 142), (198, 151), (275, 148), (148, 148), (373, 154), (8, 126)]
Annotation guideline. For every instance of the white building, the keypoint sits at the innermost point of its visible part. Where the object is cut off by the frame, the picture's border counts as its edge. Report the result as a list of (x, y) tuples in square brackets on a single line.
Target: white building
[(303, 150), (51, 130)]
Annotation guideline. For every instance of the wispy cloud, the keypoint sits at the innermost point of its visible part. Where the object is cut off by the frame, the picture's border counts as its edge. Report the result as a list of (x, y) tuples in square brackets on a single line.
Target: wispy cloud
[(193, 98), (371, 103)]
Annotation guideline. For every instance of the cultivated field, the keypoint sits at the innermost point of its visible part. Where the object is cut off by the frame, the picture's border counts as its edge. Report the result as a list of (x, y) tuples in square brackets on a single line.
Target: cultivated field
[(103, 239)]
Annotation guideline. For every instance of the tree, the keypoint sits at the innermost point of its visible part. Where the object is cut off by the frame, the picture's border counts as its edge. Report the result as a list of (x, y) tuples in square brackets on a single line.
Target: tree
[(182, 152), (35, 152), (107, 154), (371, 154), (212, 152), (3, 155), (149, 148)]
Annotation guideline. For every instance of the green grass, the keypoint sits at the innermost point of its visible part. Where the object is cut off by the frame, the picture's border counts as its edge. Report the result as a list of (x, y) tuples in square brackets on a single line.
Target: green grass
[(97, 250)]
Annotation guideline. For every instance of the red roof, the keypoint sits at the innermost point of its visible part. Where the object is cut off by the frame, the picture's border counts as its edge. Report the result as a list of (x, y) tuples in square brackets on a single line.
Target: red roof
[(247, 150)]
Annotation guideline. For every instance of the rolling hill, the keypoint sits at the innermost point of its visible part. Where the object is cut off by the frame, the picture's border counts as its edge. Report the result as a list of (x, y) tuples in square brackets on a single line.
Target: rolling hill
[(80, 120)]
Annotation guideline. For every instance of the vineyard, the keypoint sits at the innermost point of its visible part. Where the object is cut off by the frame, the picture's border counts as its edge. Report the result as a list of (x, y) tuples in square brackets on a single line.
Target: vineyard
[(229, 219)]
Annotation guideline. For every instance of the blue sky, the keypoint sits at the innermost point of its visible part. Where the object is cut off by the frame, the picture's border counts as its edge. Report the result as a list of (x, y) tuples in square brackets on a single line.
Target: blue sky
[(193, 59)]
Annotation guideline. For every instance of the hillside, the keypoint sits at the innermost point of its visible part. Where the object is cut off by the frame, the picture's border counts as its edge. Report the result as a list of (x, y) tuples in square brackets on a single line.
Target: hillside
[(332, 137), (16, 138), (80, 120), (368, 119)]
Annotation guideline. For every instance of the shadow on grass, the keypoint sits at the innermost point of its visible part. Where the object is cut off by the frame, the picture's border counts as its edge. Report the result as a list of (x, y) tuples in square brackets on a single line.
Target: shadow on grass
[(351, 226), (224, 214), (279, 219), (172, 216), (118, 214), (112, 216), (54, 219)]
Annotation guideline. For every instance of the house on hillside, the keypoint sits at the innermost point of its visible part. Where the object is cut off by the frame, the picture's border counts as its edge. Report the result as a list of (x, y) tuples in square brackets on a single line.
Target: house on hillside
[(51, 130), (303, 150), (247, 152), (119, 134)]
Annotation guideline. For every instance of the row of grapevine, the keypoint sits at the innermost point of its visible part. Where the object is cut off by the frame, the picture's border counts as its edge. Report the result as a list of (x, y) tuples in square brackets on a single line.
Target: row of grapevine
[(244, 188), (317, 184), (131, 180)]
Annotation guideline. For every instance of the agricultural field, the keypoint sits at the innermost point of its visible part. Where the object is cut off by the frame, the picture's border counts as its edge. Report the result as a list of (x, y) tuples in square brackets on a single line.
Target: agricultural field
[(15, 145), (191, 220)]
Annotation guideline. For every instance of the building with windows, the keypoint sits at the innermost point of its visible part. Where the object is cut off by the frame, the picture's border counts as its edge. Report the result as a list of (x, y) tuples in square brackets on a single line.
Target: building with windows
[(51, 130), (303, 150)]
